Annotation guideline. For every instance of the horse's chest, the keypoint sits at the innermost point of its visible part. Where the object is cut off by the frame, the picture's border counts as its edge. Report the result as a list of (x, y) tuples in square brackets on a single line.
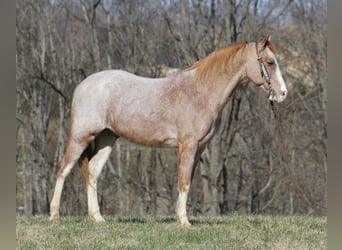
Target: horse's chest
[(211, 130)]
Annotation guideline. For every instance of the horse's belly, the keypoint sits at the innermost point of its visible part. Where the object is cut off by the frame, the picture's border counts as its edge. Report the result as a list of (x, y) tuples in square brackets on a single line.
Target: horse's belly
[(149, 134), (149, 140)]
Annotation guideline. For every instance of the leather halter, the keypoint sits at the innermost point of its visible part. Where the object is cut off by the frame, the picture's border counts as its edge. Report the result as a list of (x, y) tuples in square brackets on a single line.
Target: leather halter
[(264, 73)]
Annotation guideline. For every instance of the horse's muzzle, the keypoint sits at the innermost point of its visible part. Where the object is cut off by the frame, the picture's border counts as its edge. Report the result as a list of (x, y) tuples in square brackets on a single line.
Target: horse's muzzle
[(273, 96)]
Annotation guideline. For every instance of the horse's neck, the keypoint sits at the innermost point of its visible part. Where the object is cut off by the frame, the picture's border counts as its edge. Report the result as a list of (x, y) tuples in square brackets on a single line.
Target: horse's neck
[(219, 90)]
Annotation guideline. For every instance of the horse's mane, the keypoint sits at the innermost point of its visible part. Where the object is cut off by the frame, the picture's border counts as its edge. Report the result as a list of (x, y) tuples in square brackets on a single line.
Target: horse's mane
[(219, 61)]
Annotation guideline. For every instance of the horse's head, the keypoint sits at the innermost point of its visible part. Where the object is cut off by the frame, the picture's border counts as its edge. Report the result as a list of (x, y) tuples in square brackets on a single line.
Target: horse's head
[(263, 69)]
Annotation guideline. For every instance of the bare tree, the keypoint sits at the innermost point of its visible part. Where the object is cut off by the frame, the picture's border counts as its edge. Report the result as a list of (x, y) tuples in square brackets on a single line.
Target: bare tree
[(59, 43)]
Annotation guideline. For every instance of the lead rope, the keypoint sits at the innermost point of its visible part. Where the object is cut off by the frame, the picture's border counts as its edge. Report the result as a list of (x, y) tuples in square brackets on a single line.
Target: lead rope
[(293, 178)]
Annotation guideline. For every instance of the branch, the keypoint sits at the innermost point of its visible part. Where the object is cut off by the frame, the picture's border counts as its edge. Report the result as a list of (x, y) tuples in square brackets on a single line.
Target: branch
[(20, 120), (94, 12), (96, 4), (54, 88)]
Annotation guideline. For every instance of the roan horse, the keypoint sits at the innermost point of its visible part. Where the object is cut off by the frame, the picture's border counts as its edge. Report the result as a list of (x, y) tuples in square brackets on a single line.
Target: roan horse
[(182, 110)]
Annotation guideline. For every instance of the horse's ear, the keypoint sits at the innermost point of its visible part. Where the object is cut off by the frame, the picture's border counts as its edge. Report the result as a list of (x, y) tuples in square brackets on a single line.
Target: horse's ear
[(268, 37), (263, 42)]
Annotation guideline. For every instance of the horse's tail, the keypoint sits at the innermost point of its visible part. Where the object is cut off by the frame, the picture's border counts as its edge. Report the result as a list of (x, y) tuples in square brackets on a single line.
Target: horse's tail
[(84, 162)]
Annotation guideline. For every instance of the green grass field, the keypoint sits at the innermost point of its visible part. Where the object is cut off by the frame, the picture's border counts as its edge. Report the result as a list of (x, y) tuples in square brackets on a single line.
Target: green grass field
[(230, 232)]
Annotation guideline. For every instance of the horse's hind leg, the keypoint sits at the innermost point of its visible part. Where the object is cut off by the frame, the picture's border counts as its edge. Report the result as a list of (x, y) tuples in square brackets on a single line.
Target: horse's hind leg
[(72, 154), (103, 147)]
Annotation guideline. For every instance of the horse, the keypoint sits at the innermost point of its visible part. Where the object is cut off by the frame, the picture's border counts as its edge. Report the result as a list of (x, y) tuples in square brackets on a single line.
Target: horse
[(181, 110)]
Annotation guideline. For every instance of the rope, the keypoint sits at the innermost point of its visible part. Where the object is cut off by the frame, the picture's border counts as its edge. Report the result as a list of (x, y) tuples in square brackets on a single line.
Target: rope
[(293, 178)]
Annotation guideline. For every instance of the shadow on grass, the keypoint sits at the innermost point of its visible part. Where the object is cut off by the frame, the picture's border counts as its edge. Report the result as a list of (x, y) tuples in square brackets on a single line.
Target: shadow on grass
[(193, 221), (141, 220), (135, 220), (166, 220), (206, 221), (170, 220)]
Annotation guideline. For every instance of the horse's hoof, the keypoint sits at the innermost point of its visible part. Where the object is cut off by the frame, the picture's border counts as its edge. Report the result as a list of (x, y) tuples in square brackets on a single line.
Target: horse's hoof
[(54, 218), (184, 223), (98, 219)]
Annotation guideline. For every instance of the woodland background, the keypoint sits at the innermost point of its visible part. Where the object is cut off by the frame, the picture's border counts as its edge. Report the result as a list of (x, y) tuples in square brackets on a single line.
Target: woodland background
[(60, 42)]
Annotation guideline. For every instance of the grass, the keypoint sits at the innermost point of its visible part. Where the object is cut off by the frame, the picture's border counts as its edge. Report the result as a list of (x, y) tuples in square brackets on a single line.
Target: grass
[(230, 232)]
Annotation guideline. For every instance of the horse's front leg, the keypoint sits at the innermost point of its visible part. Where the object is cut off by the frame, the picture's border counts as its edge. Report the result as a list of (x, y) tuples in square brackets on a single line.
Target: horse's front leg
[(186, 162)]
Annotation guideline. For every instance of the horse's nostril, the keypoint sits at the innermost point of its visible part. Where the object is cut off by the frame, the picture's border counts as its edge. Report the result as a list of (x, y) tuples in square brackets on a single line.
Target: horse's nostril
[(284, 93)]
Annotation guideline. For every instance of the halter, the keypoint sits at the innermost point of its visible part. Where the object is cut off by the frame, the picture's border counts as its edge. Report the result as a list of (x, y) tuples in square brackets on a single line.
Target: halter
[(264, 73)]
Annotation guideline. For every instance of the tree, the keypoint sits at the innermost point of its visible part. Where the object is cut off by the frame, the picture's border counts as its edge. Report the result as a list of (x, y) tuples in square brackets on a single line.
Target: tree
[(59, 43)]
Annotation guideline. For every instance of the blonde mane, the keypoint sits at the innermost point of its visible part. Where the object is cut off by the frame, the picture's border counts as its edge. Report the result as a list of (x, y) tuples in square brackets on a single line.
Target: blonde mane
[(219, 62)]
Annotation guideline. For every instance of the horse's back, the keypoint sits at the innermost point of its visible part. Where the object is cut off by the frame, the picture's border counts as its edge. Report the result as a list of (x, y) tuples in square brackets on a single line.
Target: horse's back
[(106, 77), (124, 102), (117, 80)]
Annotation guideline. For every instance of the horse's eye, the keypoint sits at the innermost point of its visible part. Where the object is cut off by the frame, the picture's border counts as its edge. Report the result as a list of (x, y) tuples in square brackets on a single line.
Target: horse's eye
[(270, 63)]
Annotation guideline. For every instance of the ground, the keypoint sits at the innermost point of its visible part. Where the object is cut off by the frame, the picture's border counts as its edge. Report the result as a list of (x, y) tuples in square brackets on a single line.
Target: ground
[(234, 231)]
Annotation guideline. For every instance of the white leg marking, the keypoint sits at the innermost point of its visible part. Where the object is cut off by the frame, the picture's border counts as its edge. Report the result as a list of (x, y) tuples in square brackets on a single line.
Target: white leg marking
[(95, 167), (181, 206), (54, 206)]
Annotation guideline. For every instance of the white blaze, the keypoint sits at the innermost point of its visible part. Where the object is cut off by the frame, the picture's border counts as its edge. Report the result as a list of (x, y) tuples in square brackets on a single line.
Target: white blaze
[(280, 79)]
